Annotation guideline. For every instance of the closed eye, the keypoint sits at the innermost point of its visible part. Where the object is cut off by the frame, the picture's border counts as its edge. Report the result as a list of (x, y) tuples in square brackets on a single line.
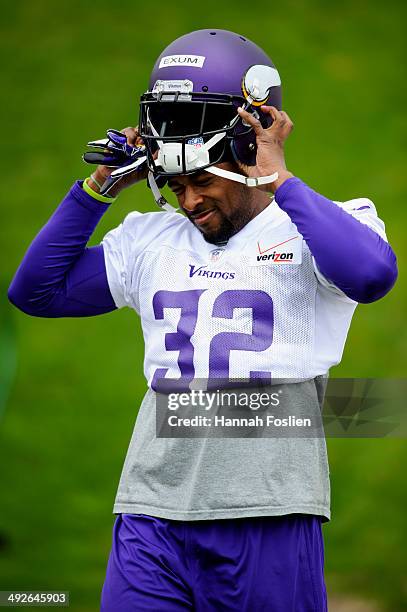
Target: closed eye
[(177, 190), (204, 183)]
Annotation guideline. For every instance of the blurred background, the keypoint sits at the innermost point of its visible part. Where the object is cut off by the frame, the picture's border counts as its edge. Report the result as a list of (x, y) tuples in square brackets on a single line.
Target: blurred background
[(70, 389)]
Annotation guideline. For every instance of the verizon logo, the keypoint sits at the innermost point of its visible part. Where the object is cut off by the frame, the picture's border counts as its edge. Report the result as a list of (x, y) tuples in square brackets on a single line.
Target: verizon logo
[(270, 254), (277, 257)]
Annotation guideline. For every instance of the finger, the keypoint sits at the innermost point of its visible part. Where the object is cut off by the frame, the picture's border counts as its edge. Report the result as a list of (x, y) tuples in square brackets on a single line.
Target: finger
[(101, 158), (287, 118), (288, 126), (282, 122), (252, 121), (132, 134), (273, 111), (139, 140), (130, 168)]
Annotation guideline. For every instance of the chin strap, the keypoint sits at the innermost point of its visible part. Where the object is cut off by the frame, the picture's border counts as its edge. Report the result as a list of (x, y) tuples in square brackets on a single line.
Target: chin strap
[(158, 197), (233, 176), (249, 181)]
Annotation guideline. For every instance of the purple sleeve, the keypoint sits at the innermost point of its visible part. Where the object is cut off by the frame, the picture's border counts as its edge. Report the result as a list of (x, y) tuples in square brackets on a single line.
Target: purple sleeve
[(347, 252), (59, 276)]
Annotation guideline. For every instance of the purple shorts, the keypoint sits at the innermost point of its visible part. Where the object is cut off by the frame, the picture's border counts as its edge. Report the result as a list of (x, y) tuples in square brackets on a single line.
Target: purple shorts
[(273, 564)]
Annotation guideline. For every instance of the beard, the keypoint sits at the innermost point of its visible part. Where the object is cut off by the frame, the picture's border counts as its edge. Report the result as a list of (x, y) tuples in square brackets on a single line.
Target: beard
[(228, 225), (222, 234)]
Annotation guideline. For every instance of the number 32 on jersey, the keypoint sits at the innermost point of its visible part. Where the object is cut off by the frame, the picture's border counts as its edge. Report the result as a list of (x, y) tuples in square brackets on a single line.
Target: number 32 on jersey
[(221, 344)]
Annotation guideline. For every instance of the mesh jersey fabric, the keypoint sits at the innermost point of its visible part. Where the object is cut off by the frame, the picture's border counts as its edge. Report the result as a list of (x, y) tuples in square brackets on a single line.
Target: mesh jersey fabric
[(210, 312)]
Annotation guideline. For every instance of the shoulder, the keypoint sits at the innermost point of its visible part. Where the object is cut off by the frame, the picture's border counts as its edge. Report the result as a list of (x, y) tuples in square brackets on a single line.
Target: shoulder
[(152, 231), (152, 223), (357, 205), (138, 230), (157, 230), (365, 211)]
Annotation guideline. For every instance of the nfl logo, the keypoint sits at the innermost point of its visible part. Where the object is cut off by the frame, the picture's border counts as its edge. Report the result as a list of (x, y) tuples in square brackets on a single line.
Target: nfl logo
[(196, 142), (216, 254)]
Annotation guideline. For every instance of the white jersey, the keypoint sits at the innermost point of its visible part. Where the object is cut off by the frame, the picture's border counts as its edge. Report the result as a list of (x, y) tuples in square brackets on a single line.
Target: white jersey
[(256, 308)]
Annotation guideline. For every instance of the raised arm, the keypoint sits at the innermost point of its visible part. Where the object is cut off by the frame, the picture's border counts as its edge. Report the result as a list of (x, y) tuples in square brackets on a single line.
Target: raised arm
[(59, 276), (348, 253)]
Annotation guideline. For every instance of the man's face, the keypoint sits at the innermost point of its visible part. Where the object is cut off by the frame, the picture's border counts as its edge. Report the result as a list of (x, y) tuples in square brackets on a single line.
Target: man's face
[(218, 207)]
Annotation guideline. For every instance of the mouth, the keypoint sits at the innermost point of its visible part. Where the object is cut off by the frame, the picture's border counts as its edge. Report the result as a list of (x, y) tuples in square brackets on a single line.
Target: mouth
[(203, 216)]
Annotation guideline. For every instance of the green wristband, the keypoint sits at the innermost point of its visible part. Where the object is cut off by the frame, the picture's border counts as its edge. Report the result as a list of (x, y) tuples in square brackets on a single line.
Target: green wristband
[(96, 195)]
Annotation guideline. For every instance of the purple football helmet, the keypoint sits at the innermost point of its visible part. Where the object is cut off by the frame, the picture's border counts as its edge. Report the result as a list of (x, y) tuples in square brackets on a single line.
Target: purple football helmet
[(188, 117)]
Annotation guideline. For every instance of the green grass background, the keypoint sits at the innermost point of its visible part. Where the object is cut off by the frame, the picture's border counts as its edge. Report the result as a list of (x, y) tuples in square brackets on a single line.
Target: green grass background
[(70, 388)]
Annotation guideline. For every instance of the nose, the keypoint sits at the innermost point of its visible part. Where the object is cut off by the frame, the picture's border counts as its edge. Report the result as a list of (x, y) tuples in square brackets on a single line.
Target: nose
[(192, 198)]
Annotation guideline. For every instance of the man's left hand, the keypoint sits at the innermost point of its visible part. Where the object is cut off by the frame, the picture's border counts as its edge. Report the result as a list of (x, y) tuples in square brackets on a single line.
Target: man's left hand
[(270, 146)]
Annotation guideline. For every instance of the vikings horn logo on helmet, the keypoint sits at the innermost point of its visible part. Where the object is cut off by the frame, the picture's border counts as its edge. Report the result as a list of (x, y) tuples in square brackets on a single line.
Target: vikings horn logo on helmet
[(257, 83)]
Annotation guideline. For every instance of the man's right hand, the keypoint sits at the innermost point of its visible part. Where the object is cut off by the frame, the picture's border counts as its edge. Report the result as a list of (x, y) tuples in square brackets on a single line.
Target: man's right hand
[(103, 172)]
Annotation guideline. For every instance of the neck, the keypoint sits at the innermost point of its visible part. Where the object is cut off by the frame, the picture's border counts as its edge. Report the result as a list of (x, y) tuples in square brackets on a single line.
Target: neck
[(260, 201)]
